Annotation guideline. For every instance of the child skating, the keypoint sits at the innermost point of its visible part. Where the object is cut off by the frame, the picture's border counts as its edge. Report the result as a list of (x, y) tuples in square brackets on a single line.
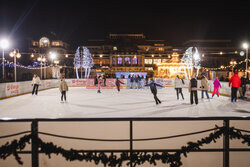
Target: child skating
[(217, 85)]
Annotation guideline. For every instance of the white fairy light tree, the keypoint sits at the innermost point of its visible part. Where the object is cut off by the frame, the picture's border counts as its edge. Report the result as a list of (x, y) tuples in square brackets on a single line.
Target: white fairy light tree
[(192, 59), (83, 59)]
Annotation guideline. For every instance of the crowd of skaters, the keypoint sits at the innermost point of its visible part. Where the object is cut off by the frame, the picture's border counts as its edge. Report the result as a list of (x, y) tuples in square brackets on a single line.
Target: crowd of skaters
[(137, 81)]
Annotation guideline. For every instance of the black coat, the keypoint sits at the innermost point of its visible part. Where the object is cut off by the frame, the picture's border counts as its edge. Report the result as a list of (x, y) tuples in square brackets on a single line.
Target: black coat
[(153, 87)]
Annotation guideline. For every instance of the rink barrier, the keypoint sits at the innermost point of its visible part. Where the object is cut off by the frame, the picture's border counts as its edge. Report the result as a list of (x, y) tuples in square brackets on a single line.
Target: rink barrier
[(13, 89), (133, 156)]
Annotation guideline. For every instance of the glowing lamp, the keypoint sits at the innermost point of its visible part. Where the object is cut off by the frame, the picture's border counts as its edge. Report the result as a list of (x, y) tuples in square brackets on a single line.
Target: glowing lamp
[(245, 45), (4, 43)]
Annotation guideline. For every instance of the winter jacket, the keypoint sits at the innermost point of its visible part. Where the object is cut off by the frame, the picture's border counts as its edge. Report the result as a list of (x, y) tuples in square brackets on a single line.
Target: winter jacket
[(63, 86), (235, 80), (243, 82), (118, 82), (217, 83), (192, 85), (178, 83), (153, 87), (204, 83), (36, 80)]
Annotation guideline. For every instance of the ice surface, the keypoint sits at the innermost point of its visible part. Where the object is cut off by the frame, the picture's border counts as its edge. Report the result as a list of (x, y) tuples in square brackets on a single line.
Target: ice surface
[(84, 103)]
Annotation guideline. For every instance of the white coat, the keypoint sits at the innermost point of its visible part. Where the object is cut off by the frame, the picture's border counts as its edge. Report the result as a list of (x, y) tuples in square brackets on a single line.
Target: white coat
[(36, 81), (178, 83)]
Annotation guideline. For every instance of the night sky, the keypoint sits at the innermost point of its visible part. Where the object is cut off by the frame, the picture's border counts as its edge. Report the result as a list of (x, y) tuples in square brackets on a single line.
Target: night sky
[(75, 21)]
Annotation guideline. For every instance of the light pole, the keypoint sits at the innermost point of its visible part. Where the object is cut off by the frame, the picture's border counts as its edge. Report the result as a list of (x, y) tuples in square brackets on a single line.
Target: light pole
[(4, 43), (15, 53), (245, 46), (41, 59)]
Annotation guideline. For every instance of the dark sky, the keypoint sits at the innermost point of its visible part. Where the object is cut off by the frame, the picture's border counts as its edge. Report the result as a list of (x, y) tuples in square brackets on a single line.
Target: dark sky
[(174, 21)]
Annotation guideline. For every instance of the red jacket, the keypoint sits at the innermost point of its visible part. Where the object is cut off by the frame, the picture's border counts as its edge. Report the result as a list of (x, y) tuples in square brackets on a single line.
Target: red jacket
[(235, 80)]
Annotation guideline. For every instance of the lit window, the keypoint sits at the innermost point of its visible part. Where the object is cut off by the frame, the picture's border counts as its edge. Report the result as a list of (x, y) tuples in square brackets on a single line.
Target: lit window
[(148, 61), (119, 60), (35, 43), (164, 60), (156, 61), (134, 60), (127, 60)]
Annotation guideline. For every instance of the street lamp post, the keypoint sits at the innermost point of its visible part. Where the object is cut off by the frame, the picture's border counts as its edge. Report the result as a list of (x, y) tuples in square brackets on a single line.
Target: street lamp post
[(15, 53), (41, 59), (245, 46), (4, 44)]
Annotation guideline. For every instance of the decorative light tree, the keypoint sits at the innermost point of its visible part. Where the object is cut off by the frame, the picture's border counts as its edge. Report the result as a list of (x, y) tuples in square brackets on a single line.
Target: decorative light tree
[(83, 59), (192, 59)]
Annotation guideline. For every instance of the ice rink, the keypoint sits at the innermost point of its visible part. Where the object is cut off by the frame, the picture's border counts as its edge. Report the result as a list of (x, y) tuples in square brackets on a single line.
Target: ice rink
[(83, 103)]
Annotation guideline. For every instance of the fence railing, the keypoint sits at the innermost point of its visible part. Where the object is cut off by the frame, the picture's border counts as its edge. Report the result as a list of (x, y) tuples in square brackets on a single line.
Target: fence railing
[(134, 157)]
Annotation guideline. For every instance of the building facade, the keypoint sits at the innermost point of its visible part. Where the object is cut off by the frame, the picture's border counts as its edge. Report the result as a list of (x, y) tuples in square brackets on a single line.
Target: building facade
[(129, 53)]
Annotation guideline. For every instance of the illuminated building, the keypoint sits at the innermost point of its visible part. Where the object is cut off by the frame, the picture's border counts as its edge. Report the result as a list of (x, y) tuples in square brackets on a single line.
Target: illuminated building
[(128, 53)]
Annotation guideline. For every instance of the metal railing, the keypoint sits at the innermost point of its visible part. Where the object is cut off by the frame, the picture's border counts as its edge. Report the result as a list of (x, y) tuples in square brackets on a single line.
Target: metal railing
[(226, 124)]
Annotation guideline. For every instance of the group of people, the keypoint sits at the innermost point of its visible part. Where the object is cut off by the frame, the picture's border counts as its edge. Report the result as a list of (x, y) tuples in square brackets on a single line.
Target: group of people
[(136, 81), (63, 87), (238, 84)]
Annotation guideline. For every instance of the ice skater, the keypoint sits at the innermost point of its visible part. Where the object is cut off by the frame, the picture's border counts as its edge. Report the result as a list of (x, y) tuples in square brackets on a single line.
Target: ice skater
[(193, 90), (35, 83), (131, 82), (63, 87), (243, 86), (99, 84), (217, 85), (178, 83), (118, 84), (153, 89), (235, 81), (204, 86)]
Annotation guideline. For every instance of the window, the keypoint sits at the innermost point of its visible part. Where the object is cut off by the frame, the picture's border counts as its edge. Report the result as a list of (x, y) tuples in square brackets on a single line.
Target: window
[(164, 60), (113, 60), (135, 60), (148, 61), (149, 68), (156, 61), (127, 61), (160, 49), (57, 43), (119, 60), (35, 43)]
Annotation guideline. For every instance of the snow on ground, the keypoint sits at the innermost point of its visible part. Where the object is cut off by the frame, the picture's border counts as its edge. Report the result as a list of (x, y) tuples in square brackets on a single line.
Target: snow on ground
[(84, 103)]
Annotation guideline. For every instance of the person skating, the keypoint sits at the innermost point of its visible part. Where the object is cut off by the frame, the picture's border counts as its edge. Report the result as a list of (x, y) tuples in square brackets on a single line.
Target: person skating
[(243, 86), (118, 84), (178, 83), (217, 85), (35, 83), (131, 82), (204, 86), (146, 79), (153, 89), (235, 82), (99, 84), (104, 80), (96, 80), (193, 90), (63, 87)]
